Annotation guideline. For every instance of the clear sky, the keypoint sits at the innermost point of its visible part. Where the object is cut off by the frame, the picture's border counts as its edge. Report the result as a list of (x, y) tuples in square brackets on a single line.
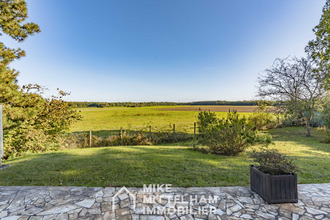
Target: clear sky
[(161, 50)]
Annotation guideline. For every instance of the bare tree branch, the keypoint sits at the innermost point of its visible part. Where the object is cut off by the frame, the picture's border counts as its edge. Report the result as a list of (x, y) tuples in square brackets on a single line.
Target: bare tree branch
[(293, 83)]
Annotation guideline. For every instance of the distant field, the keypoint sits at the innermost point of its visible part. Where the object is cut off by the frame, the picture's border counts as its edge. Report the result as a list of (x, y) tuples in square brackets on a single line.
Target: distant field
[(211, 108), (138, 118)]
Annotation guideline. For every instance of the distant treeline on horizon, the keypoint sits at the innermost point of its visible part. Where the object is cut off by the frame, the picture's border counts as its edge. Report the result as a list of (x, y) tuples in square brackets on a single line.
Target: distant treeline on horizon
[(144, 104)]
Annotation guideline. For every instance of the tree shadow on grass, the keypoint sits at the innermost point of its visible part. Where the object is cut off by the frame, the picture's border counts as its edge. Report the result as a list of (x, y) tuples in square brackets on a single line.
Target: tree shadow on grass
[(313, 170), (311, 155), (297, 136), (134, 167)]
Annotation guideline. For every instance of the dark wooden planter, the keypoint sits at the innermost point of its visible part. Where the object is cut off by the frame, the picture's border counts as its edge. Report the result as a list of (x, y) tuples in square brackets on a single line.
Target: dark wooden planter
[(274, 188)]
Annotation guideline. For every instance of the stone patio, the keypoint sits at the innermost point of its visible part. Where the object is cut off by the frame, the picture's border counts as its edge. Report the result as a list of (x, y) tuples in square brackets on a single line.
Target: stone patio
[(22, 202)]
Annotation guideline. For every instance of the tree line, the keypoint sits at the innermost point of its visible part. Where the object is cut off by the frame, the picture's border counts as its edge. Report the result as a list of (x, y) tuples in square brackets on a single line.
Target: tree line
[(144, 104)]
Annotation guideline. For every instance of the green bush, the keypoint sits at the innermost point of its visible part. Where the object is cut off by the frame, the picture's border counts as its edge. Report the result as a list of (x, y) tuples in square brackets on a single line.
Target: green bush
[(228, 136), (136, 139), (262, 118), (274, 163), (34, 124), (76, 140), (168, 137), (326, 112), (325, 116), (129, 138), (205, 119), (326, 134)]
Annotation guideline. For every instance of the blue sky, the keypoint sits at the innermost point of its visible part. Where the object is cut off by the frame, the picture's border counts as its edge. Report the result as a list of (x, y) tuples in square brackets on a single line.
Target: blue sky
[(161, 50)]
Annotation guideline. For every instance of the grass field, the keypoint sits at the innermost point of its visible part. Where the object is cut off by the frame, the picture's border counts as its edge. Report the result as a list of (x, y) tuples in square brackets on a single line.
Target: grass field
[(107, 119), (177, 165)]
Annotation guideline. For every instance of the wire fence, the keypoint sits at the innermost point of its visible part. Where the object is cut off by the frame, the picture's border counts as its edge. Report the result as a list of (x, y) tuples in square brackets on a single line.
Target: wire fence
[(138, 135)]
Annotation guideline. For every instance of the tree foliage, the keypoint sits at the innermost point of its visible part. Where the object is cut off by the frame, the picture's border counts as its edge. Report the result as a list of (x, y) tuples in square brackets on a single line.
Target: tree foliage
[(319, 48), (293, 84), (263, 117), (31, 122)]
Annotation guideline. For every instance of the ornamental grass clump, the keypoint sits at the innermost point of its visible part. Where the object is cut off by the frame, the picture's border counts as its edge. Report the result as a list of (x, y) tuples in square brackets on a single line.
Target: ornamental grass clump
[(274, 163)]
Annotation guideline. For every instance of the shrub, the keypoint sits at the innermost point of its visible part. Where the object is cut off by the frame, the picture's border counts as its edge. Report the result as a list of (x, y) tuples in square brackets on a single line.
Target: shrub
[(290, 120), (130, 138), (81, 140), (168, 137), (326, 134), (262, 118), (326, 112), (205, 119), (274, 163), (136, 139), (75, 140), (325, 117), (228, 136), (33, 124)]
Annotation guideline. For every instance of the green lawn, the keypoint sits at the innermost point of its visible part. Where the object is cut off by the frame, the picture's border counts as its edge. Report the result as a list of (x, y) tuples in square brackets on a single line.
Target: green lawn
[(108, 119), (177, 165)]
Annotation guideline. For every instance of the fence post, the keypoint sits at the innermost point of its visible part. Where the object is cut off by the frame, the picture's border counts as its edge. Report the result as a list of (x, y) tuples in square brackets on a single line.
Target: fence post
[(90, 138), (173, 128), (149, 129), (194, 130), (121, 135)]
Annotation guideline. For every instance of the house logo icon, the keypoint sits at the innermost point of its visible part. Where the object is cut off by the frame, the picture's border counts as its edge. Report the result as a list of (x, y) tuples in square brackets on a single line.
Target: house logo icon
[(123, 190)]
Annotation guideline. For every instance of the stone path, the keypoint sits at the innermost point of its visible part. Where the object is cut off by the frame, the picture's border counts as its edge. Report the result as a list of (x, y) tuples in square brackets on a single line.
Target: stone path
[(181, 203)]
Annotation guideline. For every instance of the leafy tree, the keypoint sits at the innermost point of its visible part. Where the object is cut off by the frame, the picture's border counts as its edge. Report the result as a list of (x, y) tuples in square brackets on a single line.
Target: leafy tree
[(326, 111), (325, 117), (319, 48), (293, 84), (31, 123), (13, 13)]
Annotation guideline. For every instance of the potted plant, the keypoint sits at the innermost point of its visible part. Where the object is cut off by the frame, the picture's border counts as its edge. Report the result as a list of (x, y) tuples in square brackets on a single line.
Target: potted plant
[(275, 178)]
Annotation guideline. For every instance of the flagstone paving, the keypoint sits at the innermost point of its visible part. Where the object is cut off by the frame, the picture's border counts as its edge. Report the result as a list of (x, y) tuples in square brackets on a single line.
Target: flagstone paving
[(23, 202)]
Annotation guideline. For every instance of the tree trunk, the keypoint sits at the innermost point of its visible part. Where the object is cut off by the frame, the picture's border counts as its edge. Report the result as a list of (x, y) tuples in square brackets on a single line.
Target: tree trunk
[(308, 128)]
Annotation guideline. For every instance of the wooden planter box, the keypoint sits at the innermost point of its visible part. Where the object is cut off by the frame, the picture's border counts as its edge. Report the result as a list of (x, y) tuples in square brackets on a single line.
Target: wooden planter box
[(274, 188)]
